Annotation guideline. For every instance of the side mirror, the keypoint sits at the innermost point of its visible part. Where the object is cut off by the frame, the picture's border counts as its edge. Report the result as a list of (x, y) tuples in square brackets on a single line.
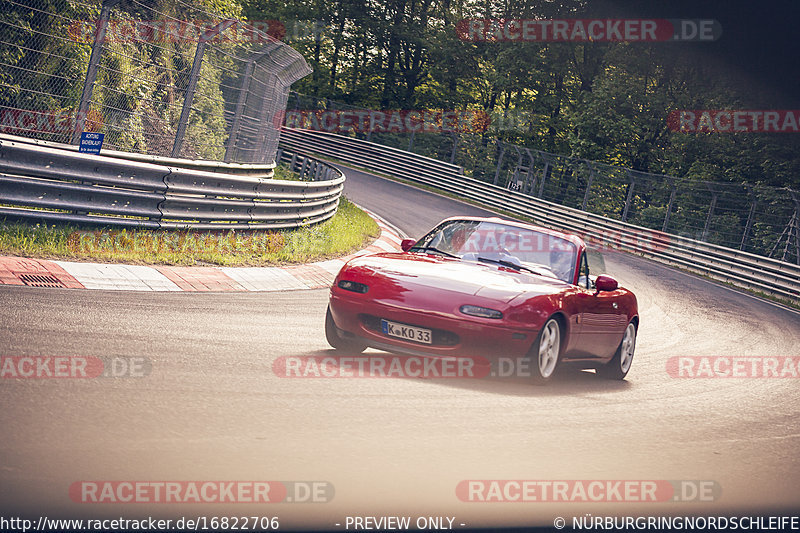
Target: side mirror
[(605, 283), (406, 244)]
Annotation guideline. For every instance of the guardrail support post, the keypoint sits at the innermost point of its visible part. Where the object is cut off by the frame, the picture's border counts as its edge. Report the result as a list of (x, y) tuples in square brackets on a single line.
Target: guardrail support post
[(188, 98), (499, 162), (455, 148), (796, 223), (711, 209), (192, 85), (545, 170), (515, 175), (237, 117), (91, 70), (588, 189), (628, 199), (530, 179), (792, 226), (749, 226), (669, 206), (303, 169)]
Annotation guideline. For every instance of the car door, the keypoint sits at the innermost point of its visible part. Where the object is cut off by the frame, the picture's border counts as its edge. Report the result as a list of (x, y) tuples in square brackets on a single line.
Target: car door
[(598, 317)]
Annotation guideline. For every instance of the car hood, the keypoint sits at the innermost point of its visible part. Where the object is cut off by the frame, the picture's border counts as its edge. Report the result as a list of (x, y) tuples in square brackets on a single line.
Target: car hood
[(453, 275)]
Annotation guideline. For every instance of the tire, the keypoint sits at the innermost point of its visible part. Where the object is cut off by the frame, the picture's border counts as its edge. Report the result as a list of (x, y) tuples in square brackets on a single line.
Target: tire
[(620, 364), (338, 342), (545, 352)]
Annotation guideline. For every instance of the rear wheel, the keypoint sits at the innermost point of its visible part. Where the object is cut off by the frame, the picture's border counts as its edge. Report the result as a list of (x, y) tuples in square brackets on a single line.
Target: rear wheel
[(337, 341), (620, 364), (544, 357)]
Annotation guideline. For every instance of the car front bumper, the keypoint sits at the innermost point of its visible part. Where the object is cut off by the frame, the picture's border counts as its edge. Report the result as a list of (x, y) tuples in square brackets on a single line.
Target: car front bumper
[(453, 335)]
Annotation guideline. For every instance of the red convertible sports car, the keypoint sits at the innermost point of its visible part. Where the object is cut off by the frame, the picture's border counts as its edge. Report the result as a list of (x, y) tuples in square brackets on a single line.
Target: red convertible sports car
[(486, 287)]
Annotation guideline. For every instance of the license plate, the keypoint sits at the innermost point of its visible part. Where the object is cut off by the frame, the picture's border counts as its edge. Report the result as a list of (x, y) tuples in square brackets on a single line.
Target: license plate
[(406, 332)]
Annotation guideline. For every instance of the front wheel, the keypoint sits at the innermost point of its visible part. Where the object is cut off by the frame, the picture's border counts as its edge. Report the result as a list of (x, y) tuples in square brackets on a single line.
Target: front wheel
[(620, 364), (545, 352), (338, 342)]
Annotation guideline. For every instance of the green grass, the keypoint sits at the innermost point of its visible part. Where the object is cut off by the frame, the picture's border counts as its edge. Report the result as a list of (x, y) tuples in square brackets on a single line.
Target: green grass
[(349, 230), (282, 172)]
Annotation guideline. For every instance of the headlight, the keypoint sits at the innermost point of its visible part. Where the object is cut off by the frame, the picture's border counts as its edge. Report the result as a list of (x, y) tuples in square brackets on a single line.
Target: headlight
[(482, 312), (353, 286)]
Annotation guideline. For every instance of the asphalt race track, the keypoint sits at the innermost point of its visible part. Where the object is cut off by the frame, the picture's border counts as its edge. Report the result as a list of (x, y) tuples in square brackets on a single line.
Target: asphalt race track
[(211, 407)]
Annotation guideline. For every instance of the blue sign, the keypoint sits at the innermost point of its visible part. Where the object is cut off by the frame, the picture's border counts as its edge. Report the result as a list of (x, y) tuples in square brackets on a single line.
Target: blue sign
[(91, 142)]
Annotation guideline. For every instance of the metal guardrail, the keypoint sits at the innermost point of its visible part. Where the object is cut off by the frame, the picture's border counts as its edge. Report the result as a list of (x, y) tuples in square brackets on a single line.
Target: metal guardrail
[(756, 217), (770, 276), (43, 181), (243, 169)]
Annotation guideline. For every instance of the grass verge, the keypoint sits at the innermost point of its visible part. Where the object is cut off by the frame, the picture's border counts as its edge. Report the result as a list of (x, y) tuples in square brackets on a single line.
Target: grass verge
[(282, 172), (349, 230)]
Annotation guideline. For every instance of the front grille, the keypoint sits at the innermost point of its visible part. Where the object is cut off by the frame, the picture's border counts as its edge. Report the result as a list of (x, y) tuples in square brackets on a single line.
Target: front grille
[(439, 337)]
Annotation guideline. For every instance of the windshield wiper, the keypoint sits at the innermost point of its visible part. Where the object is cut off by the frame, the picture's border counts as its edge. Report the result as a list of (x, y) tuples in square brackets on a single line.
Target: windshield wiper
[(507, 264), (433, 249), (543, 271)]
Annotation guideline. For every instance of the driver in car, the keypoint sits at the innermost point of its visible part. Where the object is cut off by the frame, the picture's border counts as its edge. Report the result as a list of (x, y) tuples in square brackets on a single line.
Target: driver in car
[(502, 245), (561, 264)]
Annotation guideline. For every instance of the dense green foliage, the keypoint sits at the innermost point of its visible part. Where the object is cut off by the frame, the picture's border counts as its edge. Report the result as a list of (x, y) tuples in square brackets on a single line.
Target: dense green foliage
[(606, 102), (600, 101)]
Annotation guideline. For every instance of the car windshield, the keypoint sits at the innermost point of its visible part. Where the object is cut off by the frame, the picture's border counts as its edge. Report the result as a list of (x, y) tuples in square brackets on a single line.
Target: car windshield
[(510, 246)]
